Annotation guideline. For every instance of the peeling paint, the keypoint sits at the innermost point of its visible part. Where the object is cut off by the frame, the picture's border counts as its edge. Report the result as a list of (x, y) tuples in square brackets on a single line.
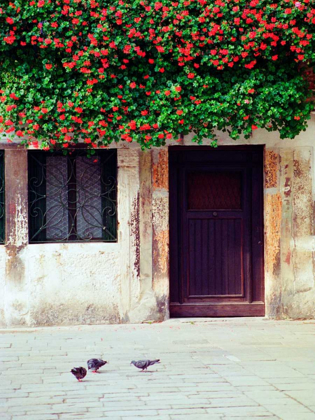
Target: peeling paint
[(135, 232), (271, 169), (160, 171), (273, 210), (302, 203), (161, 252)]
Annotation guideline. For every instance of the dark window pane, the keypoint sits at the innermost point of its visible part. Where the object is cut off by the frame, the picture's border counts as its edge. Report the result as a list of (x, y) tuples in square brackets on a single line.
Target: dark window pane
[(214, 190), (72, 198), (57, 223), (2, 219), (89, 198)]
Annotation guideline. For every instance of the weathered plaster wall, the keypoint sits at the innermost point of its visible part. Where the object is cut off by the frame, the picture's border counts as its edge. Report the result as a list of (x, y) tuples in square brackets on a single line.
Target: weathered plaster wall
[(128, 281), (90, 283)]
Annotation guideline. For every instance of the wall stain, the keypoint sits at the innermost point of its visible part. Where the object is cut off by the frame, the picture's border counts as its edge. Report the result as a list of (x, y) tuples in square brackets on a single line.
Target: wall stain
[(73, 313), (160, 252), (273, 223), (271, 169), (135, 232), (160, 171), (287, 187)]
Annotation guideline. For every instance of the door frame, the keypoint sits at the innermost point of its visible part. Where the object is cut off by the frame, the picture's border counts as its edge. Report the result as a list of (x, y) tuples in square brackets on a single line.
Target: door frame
[(218, 309)]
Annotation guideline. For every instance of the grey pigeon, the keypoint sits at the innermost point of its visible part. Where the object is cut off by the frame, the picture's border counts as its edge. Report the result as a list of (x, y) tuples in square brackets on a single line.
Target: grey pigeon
[(95, 364), (79, 373), (144, 364)]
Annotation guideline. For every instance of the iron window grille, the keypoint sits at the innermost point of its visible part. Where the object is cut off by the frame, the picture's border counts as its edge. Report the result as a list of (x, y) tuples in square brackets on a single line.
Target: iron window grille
[(2, 212), (72, 198)]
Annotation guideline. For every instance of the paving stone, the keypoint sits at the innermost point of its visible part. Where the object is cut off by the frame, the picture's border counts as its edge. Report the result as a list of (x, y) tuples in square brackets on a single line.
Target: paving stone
[(236, 369), (36, 417), (306, 396), (195, 417)]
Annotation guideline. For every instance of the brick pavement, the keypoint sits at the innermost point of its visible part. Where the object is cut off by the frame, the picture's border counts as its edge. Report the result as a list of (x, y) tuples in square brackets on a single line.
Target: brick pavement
[(211, 369)]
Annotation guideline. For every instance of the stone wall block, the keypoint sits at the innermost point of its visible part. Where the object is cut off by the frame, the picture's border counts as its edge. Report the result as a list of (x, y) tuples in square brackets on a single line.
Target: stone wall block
[(145, 221), (16, 210), (302, 219), (273, 210), (128, 215), (286, 278), (271, 168), (160, 222), (160, 169)]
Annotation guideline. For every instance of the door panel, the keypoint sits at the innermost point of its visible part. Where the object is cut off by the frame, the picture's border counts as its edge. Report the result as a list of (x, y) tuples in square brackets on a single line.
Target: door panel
[(215, 253), (208, 190), (216, 232)]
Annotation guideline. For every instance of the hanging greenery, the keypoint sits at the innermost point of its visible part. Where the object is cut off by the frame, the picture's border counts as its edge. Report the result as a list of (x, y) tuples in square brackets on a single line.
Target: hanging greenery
[(104, 71)]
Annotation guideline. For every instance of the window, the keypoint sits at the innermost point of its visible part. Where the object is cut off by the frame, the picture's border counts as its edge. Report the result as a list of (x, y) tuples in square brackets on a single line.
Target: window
[(2, 219), (72, 198)]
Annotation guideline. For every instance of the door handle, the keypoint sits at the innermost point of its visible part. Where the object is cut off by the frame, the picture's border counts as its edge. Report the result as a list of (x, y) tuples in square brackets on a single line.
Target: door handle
[(215, 213)]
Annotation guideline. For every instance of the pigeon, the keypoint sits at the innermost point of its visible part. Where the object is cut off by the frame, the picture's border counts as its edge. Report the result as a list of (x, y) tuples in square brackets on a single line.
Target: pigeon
[(144, 364), (79, 373), (95, 364)]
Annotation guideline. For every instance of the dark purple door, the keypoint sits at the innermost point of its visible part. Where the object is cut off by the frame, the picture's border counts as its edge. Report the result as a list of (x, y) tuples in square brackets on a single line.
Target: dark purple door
[(216, 231)]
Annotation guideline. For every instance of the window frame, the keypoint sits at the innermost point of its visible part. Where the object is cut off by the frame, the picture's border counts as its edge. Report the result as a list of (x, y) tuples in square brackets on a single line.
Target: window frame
[(108, 197)]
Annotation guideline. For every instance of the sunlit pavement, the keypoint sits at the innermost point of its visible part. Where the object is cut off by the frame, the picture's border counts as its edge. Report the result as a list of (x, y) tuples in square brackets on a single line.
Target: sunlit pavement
[(210, 369)]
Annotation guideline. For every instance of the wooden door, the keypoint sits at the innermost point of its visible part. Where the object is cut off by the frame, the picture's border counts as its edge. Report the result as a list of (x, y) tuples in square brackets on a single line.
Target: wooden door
[(216, 231)]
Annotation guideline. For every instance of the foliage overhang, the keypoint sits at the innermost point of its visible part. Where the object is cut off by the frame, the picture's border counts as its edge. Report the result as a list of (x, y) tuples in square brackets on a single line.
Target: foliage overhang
[(103, 71)]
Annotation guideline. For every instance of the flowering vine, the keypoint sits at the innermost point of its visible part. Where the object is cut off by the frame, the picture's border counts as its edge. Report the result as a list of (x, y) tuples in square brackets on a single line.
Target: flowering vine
[(103, 71)]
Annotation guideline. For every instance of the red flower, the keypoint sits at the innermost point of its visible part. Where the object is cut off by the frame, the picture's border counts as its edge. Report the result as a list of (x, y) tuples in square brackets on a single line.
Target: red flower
[(79, 110), (254, 127), (167, 92), (132, 125), (132, 85), (191, 75), (48, 66), (178, 89), (13, 96)]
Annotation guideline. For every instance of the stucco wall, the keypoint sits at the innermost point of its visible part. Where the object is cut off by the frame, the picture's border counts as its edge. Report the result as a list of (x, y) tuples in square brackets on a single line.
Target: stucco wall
[(87, 283), (128, 281)]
